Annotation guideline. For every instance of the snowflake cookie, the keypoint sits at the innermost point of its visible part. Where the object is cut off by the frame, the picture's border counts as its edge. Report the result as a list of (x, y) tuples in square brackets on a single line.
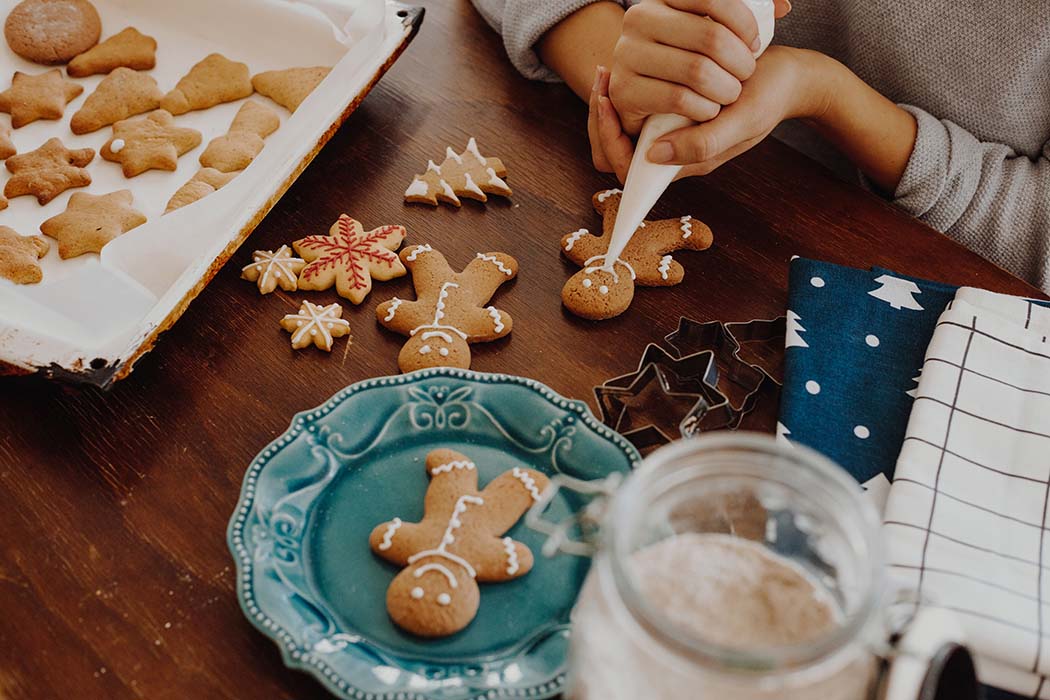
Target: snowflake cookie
[(458, 544), (272, 269), (449, 311), (597, 292), (468, 174), (317, 325), (349, 258)]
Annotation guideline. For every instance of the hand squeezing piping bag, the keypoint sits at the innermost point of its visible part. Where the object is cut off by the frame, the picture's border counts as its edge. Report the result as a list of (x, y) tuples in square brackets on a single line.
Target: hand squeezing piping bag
[(646, 180)]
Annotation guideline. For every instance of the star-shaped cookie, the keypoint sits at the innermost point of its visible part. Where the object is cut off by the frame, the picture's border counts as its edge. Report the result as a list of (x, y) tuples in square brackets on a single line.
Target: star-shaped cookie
[(272, 269), (7, 147), (33, 97), (317, 325), (48, 171), (91, 221), (152, 142), (20, 256), (349, 258)]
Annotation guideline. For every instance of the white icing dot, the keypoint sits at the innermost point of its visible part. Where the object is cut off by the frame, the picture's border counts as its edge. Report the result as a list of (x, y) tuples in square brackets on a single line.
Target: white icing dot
[(812, 387), (443, 352), (817, 282), (587, 284), (116, 146), (417, 593), (603, 289), (872, 340), (298, 324), (313, 331), (330, 326), (862, 432), (277, 274), (444, 599)]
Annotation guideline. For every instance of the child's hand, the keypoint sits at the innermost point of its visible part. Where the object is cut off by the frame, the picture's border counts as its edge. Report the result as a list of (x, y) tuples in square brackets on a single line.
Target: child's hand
[(787, 83), (685, 57)]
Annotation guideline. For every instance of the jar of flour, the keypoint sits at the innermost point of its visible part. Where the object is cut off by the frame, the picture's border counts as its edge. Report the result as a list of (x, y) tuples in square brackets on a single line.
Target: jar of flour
[(736, 567)]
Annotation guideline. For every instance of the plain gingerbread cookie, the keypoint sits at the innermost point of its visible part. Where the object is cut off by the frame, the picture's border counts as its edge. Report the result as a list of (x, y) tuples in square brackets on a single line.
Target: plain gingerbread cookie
[(90, 222), (236, 149), (20, 256), (48, 171), (129, 48), (214, 80), (121, 94), (203, 183), (52, 31), (458, 544), (33, 97), (291, 86)]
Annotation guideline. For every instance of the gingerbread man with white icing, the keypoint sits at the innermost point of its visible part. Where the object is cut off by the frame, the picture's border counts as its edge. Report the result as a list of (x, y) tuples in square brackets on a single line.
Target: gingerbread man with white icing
[(458, 544), (449, 311), (598, 293)]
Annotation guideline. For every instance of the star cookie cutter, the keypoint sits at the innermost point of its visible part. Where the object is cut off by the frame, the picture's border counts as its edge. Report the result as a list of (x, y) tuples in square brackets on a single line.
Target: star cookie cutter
[(689, 382)]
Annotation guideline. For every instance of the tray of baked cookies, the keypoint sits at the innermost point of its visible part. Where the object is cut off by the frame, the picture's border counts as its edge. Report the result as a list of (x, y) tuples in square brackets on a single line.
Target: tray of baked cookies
[(143, 141)]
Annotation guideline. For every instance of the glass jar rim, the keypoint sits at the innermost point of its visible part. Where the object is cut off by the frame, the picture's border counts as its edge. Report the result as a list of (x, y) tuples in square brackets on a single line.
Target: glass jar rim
[(813, 466)]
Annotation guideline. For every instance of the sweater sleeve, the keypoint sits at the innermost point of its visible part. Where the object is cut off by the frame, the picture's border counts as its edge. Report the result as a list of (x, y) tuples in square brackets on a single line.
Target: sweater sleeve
[(986, 196), (521, 23)]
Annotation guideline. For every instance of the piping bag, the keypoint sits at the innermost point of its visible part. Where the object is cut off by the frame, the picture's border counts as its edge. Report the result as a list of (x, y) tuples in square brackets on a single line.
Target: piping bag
[(646, 180)]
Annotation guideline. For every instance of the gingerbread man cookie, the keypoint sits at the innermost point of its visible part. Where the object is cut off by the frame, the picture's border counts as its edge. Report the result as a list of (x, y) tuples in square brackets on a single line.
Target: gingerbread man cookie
[(467, 174), (458, 544), (598, 292), (33, 97), (316, 325), (349, 258), (449, 311)]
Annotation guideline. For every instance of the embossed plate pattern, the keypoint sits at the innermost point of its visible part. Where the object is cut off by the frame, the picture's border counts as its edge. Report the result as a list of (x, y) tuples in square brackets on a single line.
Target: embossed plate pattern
[(299, 535)]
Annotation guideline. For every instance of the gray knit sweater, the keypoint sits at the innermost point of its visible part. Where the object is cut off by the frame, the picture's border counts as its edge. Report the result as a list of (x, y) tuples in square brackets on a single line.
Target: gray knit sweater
[(976, 76)]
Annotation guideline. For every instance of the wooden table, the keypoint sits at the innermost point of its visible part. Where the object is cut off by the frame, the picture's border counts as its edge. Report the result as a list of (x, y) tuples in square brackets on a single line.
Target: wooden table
[(115, 579)]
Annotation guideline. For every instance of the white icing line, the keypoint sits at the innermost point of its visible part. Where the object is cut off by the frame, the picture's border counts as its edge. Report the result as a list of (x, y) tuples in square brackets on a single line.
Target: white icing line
[(472, 149), (317, 318), (687, 226), (447, 555), (276, 259), (418, 188), (495, 180), (425, 248), (590, 268), (608, 193), (530, 483), (512, 556), (440, 568), (449, 153), (437, 334), (472, 186), (455, 464), (665, 266), (388, 536), (394, 304), (575, 236), (433, 166), (497, 262), (497, 319), (446, 189)]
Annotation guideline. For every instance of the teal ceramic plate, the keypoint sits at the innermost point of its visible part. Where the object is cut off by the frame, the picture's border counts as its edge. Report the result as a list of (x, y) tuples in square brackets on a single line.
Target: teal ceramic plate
[(307, 578)]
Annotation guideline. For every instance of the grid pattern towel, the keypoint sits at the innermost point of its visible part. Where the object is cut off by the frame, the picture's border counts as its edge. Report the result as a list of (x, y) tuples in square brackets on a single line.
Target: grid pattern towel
[(968, 510)]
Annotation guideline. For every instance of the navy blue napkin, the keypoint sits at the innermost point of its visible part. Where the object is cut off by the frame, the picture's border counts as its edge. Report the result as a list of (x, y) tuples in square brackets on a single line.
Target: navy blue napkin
[(855, 344)]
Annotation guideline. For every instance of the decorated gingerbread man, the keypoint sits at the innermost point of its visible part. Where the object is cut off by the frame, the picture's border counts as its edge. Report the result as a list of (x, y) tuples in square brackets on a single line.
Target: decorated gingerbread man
[(449, 311), (458, 544), (598, 293)]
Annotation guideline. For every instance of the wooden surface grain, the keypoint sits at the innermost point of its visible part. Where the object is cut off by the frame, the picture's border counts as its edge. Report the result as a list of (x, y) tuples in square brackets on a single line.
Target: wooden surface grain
[(115, 579)]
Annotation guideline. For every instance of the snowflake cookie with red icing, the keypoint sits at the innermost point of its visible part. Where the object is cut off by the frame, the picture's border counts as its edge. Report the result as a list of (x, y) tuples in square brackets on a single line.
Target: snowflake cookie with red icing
[(600, 291), (458, 544), (449, 311), (468, 174), (316, 325), (350, 258)]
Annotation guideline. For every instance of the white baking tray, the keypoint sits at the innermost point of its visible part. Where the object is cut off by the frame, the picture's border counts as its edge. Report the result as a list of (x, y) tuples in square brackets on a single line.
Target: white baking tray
[(93, 316)]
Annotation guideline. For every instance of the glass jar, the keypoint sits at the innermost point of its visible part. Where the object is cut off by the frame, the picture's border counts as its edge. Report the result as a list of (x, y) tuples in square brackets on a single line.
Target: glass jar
[(788, 506)]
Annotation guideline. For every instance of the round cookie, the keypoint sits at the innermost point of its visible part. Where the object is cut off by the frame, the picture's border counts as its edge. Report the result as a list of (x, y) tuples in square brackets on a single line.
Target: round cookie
[(52, 31)]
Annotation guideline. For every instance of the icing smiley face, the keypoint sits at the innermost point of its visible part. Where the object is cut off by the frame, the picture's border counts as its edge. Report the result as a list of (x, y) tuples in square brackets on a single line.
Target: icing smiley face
[(434, 597), (435, 348), (596, 293)]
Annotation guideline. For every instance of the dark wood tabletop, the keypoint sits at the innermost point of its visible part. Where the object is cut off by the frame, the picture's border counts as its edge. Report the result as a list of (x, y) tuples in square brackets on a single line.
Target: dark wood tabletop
[(115, 578)]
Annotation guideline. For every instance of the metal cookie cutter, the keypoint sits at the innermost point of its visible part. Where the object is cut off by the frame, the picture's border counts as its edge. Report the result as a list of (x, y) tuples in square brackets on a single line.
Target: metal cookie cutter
[(727, 341), (666, 397)]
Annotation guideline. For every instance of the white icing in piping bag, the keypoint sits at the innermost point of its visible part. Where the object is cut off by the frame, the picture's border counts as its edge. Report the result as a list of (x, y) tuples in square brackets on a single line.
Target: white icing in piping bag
[(646, 180)]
